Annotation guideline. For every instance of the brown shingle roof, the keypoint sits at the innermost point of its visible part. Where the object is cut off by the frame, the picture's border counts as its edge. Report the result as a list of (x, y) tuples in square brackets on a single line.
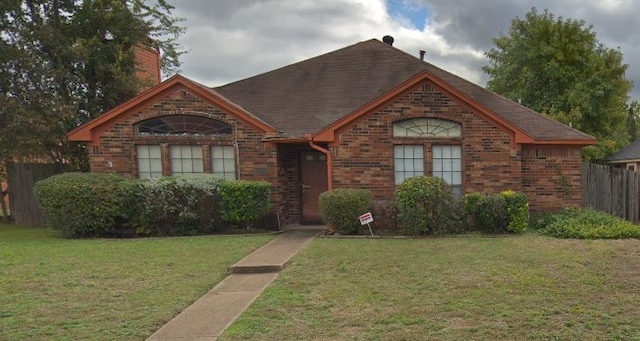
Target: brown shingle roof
[(308, 96)]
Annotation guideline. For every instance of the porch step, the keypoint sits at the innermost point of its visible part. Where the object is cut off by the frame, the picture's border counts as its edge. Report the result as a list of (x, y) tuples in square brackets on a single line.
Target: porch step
[(274, 256)]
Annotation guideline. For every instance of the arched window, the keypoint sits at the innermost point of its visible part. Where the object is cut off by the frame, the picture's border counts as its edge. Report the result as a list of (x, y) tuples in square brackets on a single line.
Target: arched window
[(183, 125), (427, 127)]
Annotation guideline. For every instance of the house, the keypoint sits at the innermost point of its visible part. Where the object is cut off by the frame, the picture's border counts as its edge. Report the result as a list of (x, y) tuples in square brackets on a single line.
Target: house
[(364, 116), (627, 157)]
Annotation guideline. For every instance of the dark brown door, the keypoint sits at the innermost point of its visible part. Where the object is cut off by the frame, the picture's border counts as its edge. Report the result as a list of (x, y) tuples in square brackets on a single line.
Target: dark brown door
[(313, 181)]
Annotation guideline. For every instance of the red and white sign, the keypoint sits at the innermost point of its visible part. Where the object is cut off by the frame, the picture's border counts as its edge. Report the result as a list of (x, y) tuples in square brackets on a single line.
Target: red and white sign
[(366, 218)]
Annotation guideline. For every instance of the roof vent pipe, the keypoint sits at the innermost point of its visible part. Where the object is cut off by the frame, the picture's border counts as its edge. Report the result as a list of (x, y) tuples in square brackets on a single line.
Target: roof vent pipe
[(388, 40), (422, 52)]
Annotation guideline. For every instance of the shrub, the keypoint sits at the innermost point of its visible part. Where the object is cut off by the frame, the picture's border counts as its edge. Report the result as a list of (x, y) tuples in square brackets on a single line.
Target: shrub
[(517, 210), (539, 221), (487, 212), (179, 205), (243, 202), (384, 215), (497, 213), (343, 207), (86, 204), (588, 223), (425, 205)]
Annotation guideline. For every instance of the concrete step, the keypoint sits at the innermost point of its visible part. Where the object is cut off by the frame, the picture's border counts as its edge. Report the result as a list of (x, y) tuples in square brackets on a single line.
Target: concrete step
[(274, 256)]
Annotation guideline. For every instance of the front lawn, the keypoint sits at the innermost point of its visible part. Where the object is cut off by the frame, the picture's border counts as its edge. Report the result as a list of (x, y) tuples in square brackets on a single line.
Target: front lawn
[(513, 288), (102, 289)]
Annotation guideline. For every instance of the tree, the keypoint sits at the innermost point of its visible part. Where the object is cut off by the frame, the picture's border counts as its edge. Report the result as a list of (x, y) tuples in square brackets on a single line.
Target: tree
[(558, 67), (64, 62), (633, 111)]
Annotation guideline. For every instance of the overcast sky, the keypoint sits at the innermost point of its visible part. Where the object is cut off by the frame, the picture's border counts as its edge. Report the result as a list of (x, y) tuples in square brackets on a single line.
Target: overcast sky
[(228, 40)]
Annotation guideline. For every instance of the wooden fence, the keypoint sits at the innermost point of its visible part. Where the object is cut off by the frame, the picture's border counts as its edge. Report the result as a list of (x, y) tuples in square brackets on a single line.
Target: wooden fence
[(22, 177), (611, 189)]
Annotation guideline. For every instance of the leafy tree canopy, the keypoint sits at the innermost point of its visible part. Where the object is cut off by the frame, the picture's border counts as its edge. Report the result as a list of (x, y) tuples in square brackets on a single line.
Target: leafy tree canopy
[(64, 62), (558, 67)]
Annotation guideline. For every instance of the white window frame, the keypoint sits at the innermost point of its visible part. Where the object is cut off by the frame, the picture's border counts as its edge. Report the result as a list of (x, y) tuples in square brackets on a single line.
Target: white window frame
[(447, 165), (223, 162), (408, 161), (186, 159), (149, 161)]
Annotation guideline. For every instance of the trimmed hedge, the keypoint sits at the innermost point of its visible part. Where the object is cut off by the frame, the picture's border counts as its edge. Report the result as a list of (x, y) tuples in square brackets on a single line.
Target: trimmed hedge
[(86, 204), (426, 205), (178, 205), (243, 202), (588, 223), (342, 208), (99, 205), (497, 213)]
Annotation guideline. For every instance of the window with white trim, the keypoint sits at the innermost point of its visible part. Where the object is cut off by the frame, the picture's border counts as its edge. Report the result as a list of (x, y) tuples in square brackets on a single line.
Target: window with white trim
[(186, 160), (408, 161), (149, 161), (223, 161), (447, 164)]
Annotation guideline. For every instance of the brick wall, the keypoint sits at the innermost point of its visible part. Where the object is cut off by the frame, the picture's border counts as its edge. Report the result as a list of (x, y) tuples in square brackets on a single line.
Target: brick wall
[(490, 161), (117, 152), (551, 176), (148, 65)]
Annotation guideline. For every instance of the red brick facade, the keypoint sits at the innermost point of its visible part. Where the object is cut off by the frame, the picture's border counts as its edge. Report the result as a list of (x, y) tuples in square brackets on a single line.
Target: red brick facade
[(363, 156), (491, 162)]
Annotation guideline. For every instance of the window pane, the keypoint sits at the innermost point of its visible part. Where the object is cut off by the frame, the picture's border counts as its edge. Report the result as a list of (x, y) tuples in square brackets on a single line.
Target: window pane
[(408, 165), (228, 152), (398, 165)]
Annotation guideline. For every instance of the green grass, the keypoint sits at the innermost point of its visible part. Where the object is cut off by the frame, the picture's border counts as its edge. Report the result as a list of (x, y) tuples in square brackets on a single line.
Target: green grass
[(102, 289), (515, 288)]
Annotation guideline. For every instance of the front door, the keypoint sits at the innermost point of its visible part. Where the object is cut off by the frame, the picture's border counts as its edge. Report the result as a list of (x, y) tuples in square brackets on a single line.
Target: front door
[(313, 181)]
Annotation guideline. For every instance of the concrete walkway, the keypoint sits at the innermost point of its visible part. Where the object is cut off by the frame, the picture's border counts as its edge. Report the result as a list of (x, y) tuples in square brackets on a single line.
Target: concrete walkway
[(209, 316)]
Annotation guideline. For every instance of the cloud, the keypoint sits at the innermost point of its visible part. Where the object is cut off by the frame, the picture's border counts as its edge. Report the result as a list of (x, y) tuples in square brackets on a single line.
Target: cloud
[(232, 40)]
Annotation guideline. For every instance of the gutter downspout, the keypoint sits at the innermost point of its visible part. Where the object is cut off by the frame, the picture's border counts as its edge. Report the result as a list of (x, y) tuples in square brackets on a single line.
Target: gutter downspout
[(329, 159)]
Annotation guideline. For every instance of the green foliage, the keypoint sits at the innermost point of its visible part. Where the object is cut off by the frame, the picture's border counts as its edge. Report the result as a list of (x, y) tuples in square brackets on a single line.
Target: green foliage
[(497, 213), (425, 205), (384, 214), (178, 206), (66, 62), (487, 212), (588, 223), (86, 204), (558, 67), (243, 202), (517, 209), (540, 220), (342, 208)]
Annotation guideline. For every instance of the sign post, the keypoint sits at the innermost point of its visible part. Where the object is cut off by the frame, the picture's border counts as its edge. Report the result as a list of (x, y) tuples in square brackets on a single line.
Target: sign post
[(367, 219)]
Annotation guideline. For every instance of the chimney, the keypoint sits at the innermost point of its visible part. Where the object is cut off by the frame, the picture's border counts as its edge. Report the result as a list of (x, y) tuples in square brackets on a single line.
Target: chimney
[(147, 65), (422, 52), (388, 40)]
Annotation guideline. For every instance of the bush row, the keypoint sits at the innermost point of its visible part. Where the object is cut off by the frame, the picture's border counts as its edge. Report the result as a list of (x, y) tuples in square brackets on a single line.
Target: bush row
[(426, 205), (96, 205), (587, 223)]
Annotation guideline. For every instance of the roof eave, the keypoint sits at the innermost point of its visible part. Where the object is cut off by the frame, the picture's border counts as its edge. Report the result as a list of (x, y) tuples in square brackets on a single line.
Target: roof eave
[(86, 132)]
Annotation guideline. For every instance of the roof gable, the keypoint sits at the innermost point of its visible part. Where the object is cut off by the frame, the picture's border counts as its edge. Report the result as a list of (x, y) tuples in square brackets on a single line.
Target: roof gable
[(89, 131), (318, 95)]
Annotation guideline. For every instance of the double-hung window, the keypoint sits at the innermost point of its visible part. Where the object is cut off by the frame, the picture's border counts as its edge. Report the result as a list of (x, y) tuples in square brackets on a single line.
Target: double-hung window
[(186, 160), (223, 161), (447, 164), (149, 161)]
